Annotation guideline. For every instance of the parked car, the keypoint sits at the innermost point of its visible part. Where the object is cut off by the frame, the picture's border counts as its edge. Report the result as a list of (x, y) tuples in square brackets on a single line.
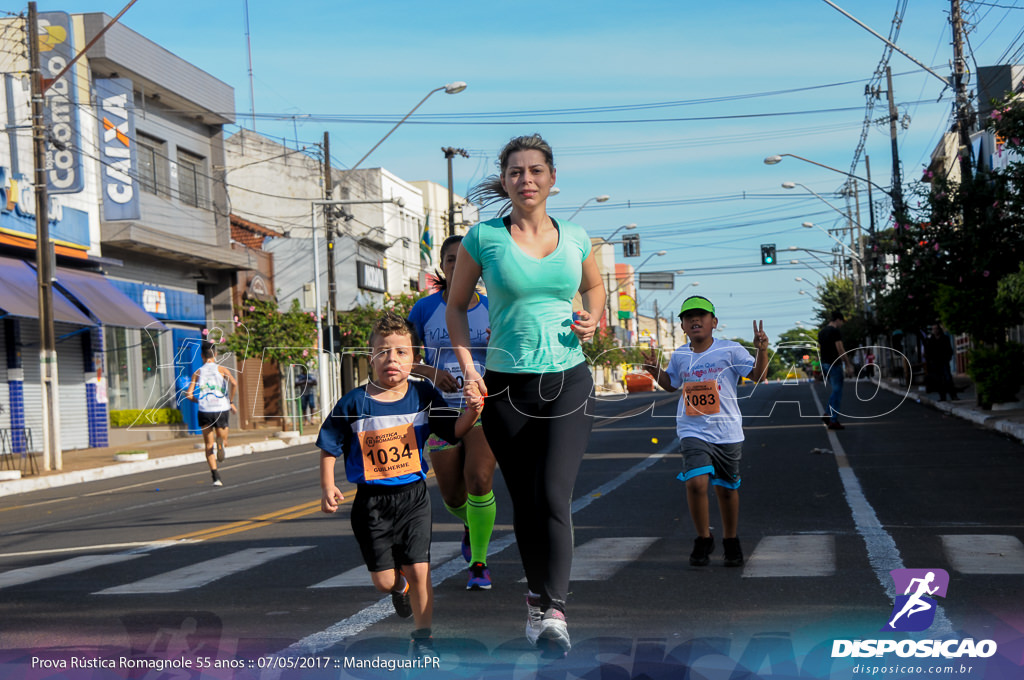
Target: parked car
[(640, 381)]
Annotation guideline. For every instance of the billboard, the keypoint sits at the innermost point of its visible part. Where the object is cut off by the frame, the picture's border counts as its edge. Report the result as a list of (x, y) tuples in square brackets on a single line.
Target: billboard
[(60, 105), (118, 164)]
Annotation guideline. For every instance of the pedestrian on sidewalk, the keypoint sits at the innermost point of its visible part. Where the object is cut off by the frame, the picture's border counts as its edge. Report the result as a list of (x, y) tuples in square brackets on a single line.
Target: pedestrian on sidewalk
[(938, 352), (465, 472), (380, 431), (834, 358), (708, 420), (305, 386), (216, 399), (538, 385)]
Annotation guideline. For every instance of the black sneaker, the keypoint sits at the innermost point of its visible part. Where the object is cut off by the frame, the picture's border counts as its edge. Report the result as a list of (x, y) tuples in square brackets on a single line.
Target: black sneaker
[(216, 478), (702, 549), (422, 646), (400, 600), (733, 552)]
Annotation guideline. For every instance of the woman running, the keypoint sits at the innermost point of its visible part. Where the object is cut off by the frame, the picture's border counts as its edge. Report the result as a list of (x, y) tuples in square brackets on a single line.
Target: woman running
[(538, 385)]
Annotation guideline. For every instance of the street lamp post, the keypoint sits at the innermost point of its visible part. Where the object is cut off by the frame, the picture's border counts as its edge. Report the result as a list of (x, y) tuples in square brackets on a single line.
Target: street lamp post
[(450, 153), (773, 160), (627, 227), (669, 304), (600, 199), (450, 88), (636, 295)]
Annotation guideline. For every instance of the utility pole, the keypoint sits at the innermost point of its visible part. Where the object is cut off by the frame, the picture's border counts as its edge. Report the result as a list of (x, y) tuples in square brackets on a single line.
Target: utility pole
[(52, 459), (332, 286), (449, 153), (963, 105), (894, 115)]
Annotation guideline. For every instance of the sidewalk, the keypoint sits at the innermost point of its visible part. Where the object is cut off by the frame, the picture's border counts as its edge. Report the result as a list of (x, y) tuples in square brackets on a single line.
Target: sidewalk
[(1010, 422), (86, 465)]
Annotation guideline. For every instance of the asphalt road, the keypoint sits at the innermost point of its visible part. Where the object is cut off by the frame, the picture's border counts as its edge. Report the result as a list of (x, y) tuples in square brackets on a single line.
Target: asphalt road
[(160, 565)]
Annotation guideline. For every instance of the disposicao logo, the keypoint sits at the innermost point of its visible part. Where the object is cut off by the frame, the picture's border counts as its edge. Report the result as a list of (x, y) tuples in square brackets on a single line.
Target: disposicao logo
[(914, 611)]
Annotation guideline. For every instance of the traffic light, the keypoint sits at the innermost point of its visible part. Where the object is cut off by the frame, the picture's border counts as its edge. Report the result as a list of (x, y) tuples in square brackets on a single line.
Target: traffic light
[(631, 245), (768, 253)]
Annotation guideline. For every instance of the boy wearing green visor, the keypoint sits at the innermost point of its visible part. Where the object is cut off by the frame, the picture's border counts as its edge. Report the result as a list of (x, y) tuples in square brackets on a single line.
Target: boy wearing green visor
[(708, 420)]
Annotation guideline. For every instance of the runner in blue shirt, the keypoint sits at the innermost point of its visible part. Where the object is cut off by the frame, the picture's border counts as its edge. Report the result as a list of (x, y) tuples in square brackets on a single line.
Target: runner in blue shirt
[(465, 472)]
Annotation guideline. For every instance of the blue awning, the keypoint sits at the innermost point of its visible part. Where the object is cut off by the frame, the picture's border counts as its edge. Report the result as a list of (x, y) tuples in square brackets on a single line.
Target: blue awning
[(105, 303), (19, 295)]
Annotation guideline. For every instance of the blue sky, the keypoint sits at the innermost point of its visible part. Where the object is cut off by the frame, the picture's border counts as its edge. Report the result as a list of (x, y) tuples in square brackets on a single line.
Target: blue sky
[(642, 73)]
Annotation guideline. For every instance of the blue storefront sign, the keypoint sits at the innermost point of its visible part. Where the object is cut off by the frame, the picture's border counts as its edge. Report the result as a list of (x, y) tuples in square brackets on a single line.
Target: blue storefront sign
[(60, 106), (117, 149), (68, 226)]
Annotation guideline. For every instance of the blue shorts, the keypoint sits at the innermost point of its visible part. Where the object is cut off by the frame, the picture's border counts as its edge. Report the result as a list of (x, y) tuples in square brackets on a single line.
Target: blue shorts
[(721, 461)]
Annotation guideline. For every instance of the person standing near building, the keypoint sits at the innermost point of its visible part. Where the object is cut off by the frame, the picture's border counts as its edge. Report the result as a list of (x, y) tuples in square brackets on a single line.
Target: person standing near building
[(833, 359), (538, 385), (213, 388), (938, 352), (465, 471)]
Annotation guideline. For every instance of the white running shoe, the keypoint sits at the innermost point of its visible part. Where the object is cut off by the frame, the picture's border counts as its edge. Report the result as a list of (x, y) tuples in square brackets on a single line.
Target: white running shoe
[(534, 617), (554, 628)]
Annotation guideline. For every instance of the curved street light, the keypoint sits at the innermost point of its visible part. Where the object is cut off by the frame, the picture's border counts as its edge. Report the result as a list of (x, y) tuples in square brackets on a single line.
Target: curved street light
[(777, 158), (600, 199), (608, 239), (451, 88)]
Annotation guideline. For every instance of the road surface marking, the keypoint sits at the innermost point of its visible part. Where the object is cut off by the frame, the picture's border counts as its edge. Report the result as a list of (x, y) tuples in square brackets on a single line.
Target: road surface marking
[(804, 555), (883, 555), (201, 573), (602, 558), (17, 577), (440, 552), (984, 553), (360, 621)]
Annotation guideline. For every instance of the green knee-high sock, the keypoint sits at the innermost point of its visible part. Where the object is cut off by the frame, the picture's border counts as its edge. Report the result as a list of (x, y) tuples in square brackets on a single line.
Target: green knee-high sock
[(459, 512), (480, 519)]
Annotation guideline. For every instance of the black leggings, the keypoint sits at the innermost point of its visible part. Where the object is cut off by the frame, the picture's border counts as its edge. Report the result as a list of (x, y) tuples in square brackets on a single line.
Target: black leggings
[(538, 426)]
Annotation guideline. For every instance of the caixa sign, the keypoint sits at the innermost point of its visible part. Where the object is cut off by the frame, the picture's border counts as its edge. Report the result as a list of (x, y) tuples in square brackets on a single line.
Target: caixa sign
[(60, 105), (371, 277)]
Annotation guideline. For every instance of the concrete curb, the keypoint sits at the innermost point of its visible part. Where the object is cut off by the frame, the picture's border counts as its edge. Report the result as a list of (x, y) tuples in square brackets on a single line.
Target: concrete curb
[(9, 488), (988, 420)]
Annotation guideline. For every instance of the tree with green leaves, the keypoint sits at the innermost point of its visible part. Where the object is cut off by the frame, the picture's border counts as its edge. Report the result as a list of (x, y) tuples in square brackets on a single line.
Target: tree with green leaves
[(262, 331)]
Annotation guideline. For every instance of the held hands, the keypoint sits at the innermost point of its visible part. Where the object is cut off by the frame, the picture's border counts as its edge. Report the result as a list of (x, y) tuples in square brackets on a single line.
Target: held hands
[(760, 337), (584, 325), (330, 498), (474, 390)]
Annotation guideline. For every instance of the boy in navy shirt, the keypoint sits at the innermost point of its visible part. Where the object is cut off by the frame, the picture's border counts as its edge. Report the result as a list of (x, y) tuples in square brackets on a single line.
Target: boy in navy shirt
[(380, 430)]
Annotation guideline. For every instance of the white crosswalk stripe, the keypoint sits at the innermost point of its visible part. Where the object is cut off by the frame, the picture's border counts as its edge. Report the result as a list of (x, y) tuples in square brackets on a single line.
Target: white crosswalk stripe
[(984, 553), (17, 577), (440, 552), (600, 559), (199, 574), (801, 555)]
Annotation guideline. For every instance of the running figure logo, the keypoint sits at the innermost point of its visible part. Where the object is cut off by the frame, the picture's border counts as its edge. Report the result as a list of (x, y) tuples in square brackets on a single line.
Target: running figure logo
[(914, 610)]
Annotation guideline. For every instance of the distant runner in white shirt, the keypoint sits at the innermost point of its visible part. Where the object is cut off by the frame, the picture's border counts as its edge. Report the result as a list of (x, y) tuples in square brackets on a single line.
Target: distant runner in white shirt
[(213, 388)]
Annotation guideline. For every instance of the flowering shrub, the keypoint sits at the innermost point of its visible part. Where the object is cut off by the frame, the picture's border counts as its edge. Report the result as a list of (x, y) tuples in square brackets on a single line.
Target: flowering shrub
[(262, 331)]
